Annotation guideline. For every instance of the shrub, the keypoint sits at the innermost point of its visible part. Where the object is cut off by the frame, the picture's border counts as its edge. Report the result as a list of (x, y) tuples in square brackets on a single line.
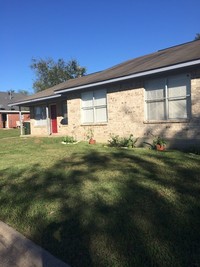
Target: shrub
[(117, 141), (159, 141), (114, 142), (69, 139)]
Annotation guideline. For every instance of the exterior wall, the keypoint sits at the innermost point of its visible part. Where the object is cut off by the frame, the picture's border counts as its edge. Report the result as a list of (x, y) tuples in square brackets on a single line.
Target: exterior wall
[(1, 121), (180, 134), (45, 130), (12, 119), (125, 108), (124, 117), (125, 104), (37, 130)]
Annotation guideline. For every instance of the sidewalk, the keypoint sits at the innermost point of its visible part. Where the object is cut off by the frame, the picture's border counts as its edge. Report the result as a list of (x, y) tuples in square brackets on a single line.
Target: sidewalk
[(18, 251)]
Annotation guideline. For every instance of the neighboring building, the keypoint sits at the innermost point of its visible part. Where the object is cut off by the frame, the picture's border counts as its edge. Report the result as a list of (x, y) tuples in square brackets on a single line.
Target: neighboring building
[(156, 94), (9, 116)]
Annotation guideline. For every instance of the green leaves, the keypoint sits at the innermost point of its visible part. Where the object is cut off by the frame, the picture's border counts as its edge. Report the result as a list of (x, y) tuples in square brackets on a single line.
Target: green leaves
[(49, 73), (117, 141)]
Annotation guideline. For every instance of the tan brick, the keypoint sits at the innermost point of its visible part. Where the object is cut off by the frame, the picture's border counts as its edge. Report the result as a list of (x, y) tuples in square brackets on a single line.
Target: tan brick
[(125, 106)]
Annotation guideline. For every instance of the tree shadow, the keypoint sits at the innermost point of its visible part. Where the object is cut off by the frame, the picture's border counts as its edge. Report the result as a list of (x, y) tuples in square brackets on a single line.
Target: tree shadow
[(183, 135), (110, 208)]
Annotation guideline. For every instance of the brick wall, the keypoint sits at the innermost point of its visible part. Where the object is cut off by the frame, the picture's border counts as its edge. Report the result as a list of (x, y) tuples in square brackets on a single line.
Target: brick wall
[(125, 106), (1, 122), (124, 117), (11, 119)]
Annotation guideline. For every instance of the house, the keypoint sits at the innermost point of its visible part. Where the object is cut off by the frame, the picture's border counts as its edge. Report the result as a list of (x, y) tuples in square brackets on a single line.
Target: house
[(156, 94), (9, 116)]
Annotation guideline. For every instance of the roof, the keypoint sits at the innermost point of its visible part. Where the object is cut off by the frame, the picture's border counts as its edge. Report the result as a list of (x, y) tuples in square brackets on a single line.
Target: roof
[(7, 98), (175, 57), (40, 96), (167, 57)]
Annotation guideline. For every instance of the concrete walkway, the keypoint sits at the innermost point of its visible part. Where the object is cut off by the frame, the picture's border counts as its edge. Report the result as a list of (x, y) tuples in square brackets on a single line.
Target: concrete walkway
[(18, 251)]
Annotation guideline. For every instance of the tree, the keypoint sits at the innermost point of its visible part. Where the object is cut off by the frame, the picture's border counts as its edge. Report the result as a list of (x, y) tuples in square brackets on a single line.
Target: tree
[(197, 37), (50, 73), (23, 92)]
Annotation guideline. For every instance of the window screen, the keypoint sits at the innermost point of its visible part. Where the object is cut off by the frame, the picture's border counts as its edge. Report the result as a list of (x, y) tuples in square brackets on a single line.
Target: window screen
[(94, 107), (168, 98)]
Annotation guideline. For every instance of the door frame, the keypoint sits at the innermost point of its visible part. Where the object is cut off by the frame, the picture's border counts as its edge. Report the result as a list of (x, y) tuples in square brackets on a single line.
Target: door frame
[(51, 120)]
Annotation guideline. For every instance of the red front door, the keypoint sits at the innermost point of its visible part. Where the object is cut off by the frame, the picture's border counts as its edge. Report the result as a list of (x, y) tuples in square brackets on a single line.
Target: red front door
[(54, 128)]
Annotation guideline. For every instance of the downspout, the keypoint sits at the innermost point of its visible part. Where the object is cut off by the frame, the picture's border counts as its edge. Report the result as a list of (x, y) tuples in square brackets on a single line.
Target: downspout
[(20, 120), (48, 120)]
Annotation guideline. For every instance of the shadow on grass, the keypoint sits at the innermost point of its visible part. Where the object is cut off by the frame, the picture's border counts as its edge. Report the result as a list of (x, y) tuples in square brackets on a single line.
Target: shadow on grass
[(114, 208)]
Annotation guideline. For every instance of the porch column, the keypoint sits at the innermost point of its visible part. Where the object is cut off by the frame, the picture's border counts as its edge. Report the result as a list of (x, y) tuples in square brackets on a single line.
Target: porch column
[(48, 121), (7, 121), (20, 120)]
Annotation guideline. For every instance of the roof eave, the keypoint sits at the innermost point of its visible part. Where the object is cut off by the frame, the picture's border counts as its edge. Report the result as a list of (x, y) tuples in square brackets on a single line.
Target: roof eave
[(131, 76), (57, 93), (34, 100), (14, 111)]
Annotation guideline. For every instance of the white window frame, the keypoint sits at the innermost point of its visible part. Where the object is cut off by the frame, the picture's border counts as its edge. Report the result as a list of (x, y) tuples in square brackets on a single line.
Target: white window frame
[(166, 99), (64, 110), (93, 107), (42, 121)]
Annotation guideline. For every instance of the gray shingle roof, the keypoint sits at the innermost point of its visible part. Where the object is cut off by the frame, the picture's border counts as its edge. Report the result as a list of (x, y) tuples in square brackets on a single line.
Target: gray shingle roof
[(6, 99), (43, 94), (163, 58), (187, 52)]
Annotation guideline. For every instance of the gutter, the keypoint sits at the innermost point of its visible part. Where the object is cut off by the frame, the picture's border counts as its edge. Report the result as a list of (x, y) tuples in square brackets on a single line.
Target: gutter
[(57, 93), (14, 111), (34, 100), (136, 75)]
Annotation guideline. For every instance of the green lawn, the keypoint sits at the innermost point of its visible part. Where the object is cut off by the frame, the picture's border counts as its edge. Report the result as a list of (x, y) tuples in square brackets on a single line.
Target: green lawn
[(101, 206), (7, 133)]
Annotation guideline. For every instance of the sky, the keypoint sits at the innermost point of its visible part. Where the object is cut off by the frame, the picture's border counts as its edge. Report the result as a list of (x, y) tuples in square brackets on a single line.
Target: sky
[(98, 34)]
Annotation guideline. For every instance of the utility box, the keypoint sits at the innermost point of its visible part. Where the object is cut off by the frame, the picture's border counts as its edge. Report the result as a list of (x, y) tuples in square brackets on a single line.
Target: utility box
[(27, 127)]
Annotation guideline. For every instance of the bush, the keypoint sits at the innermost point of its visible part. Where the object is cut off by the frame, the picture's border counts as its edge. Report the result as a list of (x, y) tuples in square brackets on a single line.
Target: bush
[(159, 141), (117, 141), (69, 139)]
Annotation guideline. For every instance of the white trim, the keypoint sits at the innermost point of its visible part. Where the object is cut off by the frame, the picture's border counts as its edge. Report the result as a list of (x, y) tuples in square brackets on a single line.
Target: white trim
[(13, 111), (48, 120), (57, 93), (34, 100), (166, 99), (39, 122), (93, 108), (136, 75), (21, 123), (7, 121)]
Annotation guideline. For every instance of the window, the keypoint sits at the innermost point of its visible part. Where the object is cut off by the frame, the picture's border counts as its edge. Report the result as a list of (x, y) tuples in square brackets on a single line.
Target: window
[(40, 116), (168, 99), (94, 107), (64, 120)]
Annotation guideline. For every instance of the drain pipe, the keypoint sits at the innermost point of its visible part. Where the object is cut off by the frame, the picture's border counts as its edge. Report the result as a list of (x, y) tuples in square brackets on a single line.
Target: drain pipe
[(20, 120), (48, 120)]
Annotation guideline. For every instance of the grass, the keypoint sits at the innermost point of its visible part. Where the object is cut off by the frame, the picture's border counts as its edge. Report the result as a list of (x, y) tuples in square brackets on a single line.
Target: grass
[(101, 206), (8, 133)]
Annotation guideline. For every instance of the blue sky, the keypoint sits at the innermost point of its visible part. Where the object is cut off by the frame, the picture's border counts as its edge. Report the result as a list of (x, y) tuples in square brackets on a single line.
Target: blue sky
[(99, 34)]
